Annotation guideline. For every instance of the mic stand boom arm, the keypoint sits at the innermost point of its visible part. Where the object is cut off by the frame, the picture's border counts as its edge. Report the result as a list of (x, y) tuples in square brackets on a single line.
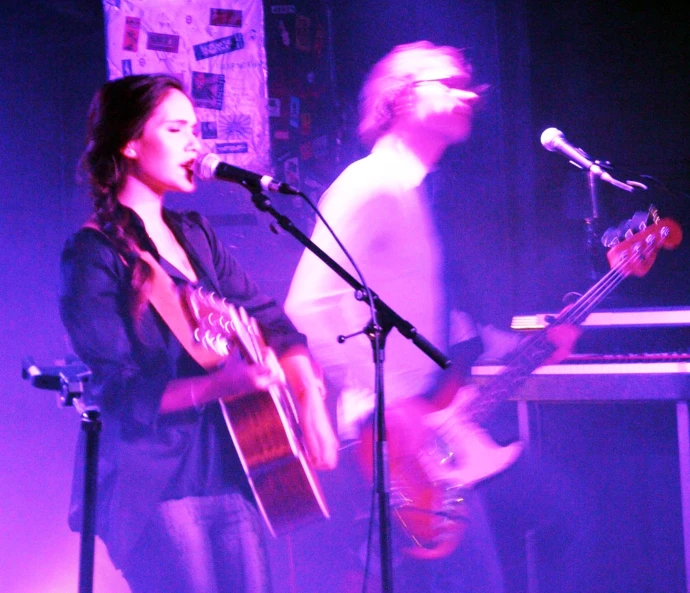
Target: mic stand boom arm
[(377, 330), (385, 313)]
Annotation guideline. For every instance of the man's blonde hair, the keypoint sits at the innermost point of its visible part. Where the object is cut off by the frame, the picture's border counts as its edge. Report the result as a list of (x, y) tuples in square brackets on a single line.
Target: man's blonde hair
[(393, 74)]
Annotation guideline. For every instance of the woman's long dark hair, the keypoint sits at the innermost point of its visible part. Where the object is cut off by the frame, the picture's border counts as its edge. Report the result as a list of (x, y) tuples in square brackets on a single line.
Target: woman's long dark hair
[(118, 113)]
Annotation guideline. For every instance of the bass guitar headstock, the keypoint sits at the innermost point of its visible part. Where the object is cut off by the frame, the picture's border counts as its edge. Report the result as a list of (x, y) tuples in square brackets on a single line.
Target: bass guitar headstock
[(635, 243)]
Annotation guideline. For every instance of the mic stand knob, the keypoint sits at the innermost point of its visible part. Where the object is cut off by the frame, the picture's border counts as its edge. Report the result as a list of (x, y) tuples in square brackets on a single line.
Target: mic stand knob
[(343, 338)]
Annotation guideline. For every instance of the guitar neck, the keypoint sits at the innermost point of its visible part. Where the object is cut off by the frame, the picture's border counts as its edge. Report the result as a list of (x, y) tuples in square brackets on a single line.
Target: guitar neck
[(534, 350)]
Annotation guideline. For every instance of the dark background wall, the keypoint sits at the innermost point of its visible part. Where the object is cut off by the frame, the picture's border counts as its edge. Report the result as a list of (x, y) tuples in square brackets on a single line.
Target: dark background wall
[(613, 78), (52, 60)]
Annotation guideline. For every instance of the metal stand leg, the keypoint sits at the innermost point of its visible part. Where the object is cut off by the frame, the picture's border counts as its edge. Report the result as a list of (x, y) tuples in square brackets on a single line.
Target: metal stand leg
[(91, 425), (530, 535), (70, 378), (684, 462)]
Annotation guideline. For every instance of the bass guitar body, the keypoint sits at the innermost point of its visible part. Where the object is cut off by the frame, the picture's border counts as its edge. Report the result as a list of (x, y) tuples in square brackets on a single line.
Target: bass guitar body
[(435, 457)]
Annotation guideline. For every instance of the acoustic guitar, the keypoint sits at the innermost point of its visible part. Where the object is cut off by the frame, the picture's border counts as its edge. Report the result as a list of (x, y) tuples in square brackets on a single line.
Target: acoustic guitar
[(264, 426)]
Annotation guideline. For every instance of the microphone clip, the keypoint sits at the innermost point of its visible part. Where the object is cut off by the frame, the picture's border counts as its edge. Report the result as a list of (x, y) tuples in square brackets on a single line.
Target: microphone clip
[(67, 377)]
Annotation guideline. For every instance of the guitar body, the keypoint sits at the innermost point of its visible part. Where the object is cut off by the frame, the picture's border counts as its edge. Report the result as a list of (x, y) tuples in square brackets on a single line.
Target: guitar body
[(435, 456), (268, 440), (437, 453)]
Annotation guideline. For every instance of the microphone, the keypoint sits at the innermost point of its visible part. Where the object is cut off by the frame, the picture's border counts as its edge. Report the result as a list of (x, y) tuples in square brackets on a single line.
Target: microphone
[(553, 140), (209, 166)]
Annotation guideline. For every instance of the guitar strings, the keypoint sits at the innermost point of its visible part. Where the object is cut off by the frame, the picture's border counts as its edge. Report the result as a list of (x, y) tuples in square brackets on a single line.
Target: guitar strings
[(578, 312), (535, 349)]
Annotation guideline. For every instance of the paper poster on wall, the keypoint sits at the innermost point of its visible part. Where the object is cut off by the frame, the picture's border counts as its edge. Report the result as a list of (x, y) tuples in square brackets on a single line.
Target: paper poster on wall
[(216, 48)]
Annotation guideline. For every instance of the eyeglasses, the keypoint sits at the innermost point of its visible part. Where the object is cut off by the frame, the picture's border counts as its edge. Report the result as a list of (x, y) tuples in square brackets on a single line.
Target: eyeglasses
[(458, 83)]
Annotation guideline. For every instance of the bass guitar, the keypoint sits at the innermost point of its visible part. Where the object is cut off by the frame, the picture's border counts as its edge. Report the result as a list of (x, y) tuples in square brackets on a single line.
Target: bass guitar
[(435, 455)]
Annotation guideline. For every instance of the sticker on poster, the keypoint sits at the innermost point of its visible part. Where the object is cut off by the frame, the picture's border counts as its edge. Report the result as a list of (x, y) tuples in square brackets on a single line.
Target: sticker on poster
[(207, 90), (283, 9), (314, 185), (305, 151), (232, 147), (305, 124), (291, 171), (320, 146), (235, 125), (294, 112), (302, 32), (284, 34), (226, 17), (163, 42), (319, 40), (273, 107), (126, 67), (224, 45), (130, 38), (281, 158), (209, 130)]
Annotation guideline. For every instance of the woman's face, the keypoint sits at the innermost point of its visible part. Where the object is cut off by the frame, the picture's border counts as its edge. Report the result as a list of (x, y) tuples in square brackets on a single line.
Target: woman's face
[(163, 157)]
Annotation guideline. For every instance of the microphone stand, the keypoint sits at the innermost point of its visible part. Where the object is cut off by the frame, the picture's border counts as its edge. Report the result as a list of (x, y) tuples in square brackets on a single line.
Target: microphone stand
[(91, 425), (590, 224), (377, 330), (70, 382)]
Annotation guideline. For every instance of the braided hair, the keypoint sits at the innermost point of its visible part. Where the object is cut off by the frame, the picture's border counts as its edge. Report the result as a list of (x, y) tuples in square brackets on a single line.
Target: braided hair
[(118, 113)]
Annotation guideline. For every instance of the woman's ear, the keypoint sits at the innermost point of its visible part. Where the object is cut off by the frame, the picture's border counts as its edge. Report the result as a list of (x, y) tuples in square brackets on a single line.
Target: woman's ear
[(129, 151)]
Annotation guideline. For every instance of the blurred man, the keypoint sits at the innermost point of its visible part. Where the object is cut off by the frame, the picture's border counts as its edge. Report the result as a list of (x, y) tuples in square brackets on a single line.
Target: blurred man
[(416, 102)]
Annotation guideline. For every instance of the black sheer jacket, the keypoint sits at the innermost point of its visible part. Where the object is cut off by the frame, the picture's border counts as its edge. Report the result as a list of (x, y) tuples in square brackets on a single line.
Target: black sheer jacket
[(145, 456)]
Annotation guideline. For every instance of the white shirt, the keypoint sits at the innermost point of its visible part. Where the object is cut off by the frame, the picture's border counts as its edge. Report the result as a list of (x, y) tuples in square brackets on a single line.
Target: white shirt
[(380, 213)]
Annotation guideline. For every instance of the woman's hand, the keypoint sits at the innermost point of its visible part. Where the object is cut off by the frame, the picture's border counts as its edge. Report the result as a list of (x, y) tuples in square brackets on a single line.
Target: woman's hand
[(319, 436), (236, 378), (305, 380)]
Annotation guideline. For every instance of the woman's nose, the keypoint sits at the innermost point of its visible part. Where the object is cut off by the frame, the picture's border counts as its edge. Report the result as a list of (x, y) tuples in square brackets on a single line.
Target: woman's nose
[(195, 142)]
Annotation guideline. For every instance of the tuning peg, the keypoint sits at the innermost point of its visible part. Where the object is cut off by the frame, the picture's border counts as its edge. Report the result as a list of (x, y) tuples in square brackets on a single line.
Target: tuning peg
[(611, 237), (225, 323), (638, 221), (654, 213)]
